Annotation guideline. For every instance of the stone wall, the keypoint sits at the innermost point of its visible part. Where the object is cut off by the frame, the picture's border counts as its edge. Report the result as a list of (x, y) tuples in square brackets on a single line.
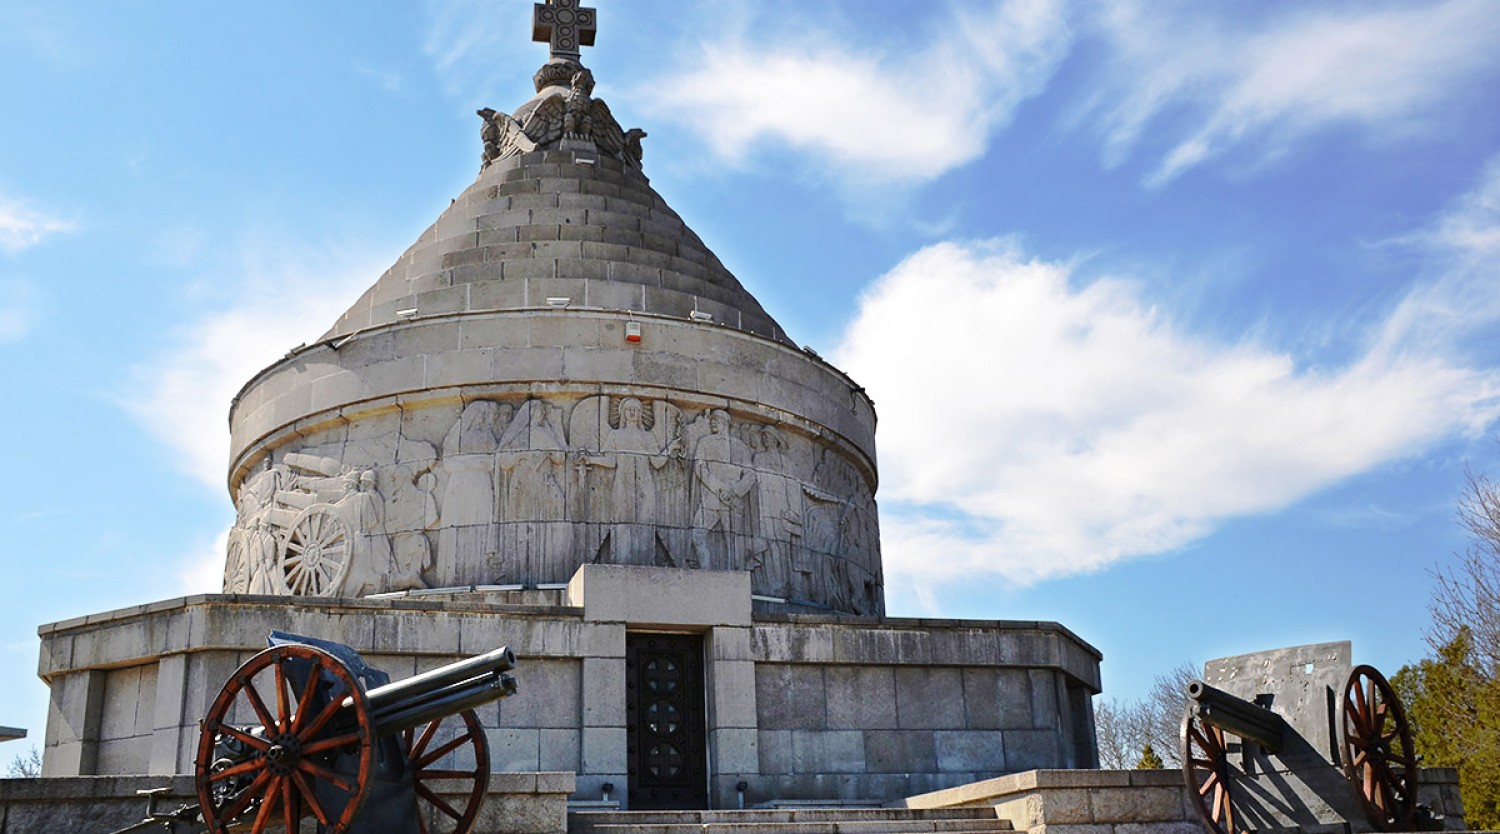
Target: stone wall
[(1131, 801), (897, 707), (517, 803), (797, 707)]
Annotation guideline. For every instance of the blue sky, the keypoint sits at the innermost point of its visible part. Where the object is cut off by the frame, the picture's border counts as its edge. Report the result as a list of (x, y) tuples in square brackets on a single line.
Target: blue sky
[(1180, 318)]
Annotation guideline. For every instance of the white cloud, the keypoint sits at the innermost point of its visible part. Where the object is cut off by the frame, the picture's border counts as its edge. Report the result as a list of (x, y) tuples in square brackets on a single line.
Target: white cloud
[(469, 41), (18, 310), (22, 227), (1207, 85), (872, 114), (1463, 246), (202, 572), (288, 295), (1033, 428)]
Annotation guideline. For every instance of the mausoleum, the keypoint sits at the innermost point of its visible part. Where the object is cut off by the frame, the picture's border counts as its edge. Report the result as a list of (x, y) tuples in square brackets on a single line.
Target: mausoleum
[(558, 422)]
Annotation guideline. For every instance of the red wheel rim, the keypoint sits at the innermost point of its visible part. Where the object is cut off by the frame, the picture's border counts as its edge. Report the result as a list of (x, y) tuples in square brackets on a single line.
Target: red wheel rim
[(291, 743), (1205, 769), (450, 749), (1379, 757)]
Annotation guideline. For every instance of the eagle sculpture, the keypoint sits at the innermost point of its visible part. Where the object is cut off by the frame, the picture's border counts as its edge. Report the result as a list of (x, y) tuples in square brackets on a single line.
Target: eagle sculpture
[(574, 115)]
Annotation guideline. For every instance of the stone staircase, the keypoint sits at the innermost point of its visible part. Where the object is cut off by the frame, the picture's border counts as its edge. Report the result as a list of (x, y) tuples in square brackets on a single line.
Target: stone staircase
[(825, 820)]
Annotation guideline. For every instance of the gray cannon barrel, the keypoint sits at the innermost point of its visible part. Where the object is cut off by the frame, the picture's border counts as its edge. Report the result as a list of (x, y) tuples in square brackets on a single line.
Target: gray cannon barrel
[(444, 702), (413, 689), (1236, 715)]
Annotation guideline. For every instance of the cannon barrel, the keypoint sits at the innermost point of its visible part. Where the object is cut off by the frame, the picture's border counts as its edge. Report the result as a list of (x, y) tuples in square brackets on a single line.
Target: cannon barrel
[(383, 698), (441, 692), (1236, 715), (443, 702)]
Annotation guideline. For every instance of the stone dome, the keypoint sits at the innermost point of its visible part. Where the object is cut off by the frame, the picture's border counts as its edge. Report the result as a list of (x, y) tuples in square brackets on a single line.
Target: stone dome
[(558, 372), (559, 224)]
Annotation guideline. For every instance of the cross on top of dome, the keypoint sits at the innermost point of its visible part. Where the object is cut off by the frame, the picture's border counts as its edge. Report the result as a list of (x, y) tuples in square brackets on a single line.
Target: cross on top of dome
[(565, 25)]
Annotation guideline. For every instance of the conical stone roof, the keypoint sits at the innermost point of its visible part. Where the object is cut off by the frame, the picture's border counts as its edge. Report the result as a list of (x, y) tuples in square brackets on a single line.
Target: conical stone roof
[(558, 224)]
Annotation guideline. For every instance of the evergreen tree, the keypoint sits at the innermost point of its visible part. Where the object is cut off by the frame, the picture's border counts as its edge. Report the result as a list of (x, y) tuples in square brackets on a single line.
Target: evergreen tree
[(1452, 697), (1149, 760), (1454, 710)]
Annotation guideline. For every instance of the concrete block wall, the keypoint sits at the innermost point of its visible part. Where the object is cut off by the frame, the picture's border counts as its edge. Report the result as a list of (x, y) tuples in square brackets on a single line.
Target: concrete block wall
[(885, 708), (134, 708)]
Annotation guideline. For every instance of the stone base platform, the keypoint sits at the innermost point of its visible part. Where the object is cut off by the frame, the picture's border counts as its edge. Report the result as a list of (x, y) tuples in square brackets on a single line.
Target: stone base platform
[(794, 707), (1126, 801), (518, 803), (807, 820)]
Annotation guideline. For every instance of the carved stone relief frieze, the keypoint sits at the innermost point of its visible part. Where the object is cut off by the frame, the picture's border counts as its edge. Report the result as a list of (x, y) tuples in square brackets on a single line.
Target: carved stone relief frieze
[(523, 491)]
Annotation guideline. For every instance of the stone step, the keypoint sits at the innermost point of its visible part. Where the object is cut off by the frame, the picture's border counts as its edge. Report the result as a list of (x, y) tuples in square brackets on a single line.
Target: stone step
[(791, 821), (801, 828), (821, 827)]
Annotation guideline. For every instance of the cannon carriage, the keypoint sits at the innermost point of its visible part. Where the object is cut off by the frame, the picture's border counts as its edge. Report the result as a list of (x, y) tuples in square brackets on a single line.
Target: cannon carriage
[(1298, 739), (304, 526), (305, 735)]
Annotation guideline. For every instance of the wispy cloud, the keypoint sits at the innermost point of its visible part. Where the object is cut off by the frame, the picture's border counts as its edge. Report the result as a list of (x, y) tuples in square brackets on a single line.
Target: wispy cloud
[(877, 114), (1033, 427), (289, 294), (18, 310), (1462, 251), (469, 41), (1205, 84), (23, 226), (202, 571)]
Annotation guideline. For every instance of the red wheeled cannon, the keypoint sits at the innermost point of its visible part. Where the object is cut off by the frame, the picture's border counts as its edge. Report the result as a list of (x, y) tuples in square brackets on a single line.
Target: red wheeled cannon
[(305, 730), (1294, 739)]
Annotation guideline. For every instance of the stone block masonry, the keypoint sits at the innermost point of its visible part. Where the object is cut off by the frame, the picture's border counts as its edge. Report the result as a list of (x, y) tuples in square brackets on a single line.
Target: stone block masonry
[(795, 706)]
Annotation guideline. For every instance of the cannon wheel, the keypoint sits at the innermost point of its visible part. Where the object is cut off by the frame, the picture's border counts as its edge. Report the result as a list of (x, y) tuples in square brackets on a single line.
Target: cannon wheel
[(1205, 769), (289, 774), (316, 552), (427, 766), (1379, 757), (236, 563)]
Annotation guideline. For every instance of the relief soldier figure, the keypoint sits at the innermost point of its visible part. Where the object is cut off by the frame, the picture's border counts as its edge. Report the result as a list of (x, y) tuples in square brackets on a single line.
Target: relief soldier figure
[(723, 479), (779, 505), (468, 505), (533, 458), (635, 455)]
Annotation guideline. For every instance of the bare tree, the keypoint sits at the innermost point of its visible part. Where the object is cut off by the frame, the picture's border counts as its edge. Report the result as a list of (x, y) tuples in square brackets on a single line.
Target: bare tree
[(1164, 706), (1467, 596), (1115, 739), (26, 766), (1125, 730)]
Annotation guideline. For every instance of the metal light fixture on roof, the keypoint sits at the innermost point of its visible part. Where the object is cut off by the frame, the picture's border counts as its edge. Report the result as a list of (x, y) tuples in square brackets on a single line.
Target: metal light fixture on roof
[(699, 315), (558, 301)]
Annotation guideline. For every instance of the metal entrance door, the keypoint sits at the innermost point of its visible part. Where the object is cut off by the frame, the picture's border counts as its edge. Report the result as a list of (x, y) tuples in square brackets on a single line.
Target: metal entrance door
[(665, 734)]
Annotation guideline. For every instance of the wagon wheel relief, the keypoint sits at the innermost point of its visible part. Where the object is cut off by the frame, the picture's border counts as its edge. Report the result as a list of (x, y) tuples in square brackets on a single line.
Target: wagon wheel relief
[(316, 552)]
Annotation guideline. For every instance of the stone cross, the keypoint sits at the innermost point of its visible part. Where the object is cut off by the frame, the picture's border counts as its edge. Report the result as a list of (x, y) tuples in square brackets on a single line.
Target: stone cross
[(565, 25)]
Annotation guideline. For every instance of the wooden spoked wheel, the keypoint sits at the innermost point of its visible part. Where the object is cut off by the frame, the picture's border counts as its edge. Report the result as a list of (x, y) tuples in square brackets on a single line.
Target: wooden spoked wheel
[(1379, 757), (451, 750), (272, 751), (1205, 768)]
